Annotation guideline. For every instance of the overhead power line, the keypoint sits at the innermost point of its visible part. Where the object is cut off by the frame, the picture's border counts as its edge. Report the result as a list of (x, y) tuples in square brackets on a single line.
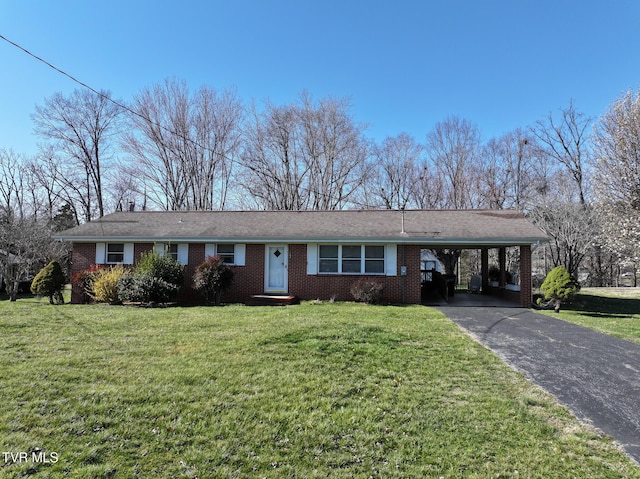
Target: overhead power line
[(139, 115), (88, 87)]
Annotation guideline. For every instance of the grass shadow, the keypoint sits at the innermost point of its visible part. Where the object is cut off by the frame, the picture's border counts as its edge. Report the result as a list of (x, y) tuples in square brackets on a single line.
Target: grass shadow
[(598, 306)]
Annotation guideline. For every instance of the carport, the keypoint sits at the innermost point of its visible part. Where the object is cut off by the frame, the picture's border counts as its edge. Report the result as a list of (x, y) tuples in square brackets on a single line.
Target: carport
[(448, 287), (318, 254)]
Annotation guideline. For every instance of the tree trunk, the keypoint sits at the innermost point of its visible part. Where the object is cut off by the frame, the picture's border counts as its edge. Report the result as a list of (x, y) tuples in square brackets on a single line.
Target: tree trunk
[(12, 290)]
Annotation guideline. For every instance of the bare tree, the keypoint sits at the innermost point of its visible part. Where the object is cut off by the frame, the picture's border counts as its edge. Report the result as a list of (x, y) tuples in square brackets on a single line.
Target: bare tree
[(571, 228), (25, 239), (617, 176), (513, 175), (82, 127), (12, 185), (453, 148), (304, 156), (565, 139), (58, 184), (184, 145), (429, 189), (25, 246), (334, 150), (275, 172), (399, 162)]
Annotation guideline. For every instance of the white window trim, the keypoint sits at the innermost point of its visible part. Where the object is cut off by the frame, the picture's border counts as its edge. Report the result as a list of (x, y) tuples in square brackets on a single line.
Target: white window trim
[(313, 256), (239, 252), (183, 251), (391, 259), (102, 251)]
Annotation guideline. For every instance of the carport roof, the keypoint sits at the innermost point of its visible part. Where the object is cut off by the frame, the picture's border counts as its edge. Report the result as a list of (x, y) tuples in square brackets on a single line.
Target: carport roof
[(436, 228)]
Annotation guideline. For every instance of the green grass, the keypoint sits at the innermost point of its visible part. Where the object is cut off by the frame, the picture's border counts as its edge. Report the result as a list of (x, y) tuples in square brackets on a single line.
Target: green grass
[(614, 311), (316, 390)]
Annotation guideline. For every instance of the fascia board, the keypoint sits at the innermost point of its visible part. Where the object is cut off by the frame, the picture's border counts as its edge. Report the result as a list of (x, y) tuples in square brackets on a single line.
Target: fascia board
[(424, 241)]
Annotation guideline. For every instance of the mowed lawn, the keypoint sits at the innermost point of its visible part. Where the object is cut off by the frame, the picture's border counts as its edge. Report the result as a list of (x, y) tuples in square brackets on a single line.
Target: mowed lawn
[(614, 311), (315, 390)]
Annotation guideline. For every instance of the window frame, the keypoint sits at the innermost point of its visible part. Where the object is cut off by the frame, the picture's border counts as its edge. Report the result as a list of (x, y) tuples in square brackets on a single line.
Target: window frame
[(170, 253), (107, 253), (239, 252), (226, 255), (345, 259)]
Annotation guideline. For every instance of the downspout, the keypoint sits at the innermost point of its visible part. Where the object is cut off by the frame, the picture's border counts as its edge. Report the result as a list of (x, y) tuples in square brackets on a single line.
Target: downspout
[(403, 273), (403, 267)]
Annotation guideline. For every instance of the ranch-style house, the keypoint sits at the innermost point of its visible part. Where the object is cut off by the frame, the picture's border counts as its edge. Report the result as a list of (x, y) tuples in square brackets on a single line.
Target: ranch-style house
[(311, 254)]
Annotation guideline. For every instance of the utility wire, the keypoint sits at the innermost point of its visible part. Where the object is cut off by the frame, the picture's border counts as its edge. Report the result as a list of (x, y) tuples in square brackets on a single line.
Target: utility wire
[(100, 94), (139, 115)]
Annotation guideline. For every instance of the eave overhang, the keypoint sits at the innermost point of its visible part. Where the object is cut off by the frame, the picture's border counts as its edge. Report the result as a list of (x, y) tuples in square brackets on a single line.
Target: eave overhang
[(460, 243)]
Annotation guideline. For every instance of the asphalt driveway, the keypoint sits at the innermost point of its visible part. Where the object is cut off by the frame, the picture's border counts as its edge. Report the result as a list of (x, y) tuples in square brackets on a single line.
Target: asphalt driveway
[(595, 375)]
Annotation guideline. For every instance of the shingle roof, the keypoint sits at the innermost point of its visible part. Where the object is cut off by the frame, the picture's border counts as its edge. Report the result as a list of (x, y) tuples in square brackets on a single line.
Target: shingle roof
[(426, 227)]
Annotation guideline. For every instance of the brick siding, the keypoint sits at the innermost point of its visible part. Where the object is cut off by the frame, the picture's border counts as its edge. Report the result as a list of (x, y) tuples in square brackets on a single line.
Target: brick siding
[(82, 256), (397, 289), (525, 276), (249, 279)]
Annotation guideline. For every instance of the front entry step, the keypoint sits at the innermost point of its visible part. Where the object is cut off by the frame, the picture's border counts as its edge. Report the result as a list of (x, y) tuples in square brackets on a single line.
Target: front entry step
[(272, 300)]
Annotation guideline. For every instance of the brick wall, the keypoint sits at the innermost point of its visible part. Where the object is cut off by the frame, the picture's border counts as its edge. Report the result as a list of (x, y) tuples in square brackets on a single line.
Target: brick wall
[(196, 256), (249, 279), (327, 286), (139, 249), (82, 256), (525, 276)]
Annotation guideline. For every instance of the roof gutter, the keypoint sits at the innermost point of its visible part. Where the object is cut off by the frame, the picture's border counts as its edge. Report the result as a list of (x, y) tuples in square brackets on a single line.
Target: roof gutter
[(424, 241)]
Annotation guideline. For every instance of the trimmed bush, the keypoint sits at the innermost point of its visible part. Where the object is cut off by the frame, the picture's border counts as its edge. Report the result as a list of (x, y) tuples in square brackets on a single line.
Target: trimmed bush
[(104, 284), (367, 291), (50, 282), (163, 267), (212, 278), (155, 279), (559, 286), (146, 288)]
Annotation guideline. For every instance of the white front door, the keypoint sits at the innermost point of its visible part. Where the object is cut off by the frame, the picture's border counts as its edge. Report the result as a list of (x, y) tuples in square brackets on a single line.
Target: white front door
[(276, 268)]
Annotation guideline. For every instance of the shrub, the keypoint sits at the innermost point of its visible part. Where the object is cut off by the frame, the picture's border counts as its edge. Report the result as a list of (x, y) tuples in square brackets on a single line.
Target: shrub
[(155, 279), (212, 278), (163, 267), (559, 286), (84, 280), (367, 290), (146, 288), (103, 284), (50, 282)]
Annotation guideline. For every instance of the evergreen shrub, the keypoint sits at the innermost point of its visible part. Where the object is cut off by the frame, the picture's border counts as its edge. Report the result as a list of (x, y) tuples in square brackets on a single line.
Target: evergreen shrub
[(559, 286), (50, 282)]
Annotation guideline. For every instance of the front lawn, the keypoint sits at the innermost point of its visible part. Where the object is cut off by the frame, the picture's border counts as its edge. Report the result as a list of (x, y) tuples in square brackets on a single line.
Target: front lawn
[(614, 311), (315, 390)]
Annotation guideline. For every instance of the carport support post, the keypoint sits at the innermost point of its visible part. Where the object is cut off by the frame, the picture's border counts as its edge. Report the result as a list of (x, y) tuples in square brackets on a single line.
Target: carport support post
[(484, 258), (525, 276), (502, 258)]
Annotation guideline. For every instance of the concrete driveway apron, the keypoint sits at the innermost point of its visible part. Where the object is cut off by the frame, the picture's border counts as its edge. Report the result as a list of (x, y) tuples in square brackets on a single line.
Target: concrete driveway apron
[(595, 375)]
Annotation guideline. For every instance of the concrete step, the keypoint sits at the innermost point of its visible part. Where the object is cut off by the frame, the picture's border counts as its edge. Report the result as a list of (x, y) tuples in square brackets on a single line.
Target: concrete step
[(272, 300)]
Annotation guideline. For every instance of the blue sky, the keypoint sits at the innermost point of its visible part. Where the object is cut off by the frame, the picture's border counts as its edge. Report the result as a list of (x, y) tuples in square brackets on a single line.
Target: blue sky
[(404, 64)]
